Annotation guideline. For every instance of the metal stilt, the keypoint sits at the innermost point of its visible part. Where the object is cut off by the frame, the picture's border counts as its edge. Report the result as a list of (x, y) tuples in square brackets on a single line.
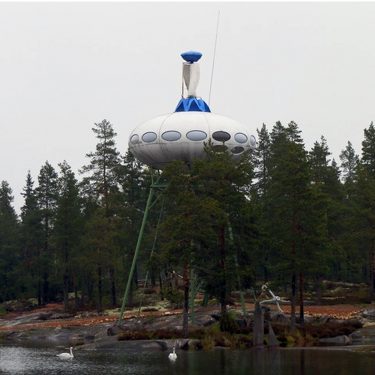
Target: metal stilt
[(150, 202)]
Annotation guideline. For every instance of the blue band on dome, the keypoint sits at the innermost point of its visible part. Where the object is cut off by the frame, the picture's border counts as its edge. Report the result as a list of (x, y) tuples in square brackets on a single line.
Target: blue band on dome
[(191, 56), (192, 105)]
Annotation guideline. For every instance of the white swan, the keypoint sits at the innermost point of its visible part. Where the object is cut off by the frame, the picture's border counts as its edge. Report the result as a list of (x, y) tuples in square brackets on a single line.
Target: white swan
[(173, 356), (66, 355)]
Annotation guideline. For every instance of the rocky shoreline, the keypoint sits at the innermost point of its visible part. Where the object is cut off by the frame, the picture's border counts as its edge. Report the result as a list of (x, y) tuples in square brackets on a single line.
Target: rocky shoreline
[(161, 331)]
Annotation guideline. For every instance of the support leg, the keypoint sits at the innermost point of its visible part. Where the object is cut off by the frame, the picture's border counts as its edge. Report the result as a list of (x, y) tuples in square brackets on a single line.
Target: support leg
[(140, 236)]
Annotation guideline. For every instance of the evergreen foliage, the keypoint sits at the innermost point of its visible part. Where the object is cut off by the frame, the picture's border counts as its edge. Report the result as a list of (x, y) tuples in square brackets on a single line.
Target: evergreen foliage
[(281, 214)]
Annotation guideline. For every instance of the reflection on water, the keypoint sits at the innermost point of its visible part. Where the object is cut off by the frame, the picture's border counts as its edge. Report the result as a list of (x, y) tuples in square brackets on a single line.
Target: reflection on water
[(19, 360)]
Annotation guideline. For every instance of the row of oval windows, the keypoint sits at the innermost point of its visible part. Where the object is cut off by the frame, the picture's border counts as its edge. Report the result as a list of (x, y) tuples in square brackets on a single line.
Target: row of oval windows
[(193, 135)]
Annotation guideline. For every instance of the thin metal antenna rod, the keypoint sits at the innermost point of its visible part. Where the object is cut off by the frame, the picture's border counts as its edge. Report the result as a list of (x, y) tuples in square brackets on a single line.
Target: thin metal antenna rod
[(213, 60)]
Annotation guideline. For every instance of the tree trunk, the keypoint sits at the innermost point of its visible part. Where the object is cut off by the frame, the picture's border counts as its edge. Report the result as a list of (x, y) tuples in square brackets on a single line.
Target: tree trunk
[(223, 289), (113, 286), (77, 300), (66, 290), (372, 269), (39, 291), (45, 288), (152, 278), (186, 280), (161, 287), (301, 300), (100, 289), (318, 288), (293, 303)]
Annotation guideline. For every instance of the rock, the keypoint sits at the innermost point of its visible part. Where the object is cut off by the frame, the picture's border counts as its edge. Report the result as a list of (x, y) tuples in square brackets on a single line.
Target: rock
[(149, 309), (338, 340), (114, 330), (280, 318), (369, 314), (45, 316), (77, 339), (323, 319), (89, 339), (19, 305), (258, 328), (190, 344), (308, 319), (337, 321), (156, 344), (61, 316), (364, 336), (216, 316), (204, 320), (241, 323), (272, 339), (87, 314)]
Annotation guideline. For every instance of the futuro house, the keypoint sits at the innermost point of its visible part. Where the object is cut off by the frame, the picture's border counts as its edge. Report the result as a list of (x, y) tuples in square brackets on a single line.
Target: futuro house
[(181, 135)]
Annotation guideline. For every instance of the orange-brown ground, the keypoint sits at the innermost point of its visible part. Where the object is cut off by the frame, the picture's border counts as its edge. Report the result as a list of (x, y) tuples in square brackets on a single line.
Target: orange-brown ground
[(335, 311)]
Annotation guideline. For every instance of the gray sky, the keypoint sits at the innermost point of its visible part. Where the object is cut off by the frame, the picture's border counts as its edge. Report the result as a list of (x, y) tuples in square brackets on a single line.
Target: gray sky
[(65, 66)]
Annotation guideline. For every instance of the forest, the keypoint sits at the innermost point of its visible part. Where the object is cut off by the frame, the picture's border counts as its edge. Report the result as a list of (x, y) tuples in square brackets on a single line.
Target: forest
[(282, 214)]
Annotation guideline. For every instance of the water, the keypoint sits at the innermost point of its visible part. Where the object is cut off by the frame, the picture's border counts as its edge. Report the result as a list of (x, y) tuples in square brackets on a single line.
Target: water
[(20, 360)]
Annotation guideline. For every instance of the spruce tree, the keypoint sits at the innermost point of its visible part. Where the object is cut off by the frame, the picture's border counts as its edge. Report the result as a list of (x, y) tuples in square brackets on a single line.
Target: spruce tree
[(67, 229), (349, 164), (366, 202), (289, 198), (47, 193), (31, 241), (9, 258)]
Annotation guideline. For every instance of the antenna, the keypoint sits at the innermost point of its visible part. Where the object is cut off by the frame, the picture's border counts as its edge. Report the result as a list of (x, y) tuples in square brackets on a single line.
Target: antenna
[(213, 60)]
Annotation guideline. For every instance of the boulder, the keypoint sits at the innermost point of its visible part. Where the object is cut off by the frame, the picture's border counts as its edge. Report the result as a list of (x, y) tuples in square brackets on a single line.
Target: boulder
[(45, 316), (61, 316), (204, 320), (323, 319), (369, 314), (279, 318), (336, 341)]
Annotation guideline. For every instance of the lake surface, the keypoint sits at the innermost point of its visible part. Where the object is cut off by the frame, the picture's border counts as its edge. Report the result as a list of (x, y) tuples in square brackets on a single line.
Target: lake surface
[(21, 360)]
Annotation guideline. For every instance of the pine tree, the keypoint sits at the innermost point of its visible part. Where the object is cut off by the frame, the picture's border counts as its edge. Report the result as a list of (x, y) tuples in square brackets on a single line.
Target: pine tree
[(327, 190), (366, 202), (368, 150), (31, 241), (47, 193), (67, 228), (102, 182), (349, 164), (289, 198), (203, 202), (103, 166), (8, 244), (261, 160)]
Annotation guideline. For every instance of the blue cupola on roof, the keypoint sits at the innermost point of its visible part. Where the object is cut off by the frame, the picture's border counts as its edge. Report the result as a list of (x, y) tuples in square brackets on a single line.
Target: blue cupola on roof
[(191, 56), (192, 104)]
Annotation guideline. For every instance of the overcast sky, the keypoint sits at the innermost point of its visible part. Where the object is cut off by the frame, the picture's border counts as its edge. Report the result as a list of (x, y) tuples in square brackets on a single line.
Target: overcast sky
[(65, 66)]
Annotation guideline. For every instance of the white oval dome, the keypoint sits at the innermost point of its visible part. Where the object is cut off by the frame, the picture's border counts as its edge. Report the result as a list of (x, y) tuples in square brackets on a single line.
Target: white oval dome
[(181, 136)]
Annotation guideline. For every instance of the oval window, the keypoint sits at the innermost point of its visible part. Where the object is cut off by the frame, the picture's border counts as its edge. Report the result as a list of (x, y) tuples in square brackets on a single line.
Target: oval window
[(196, 135), (149, 137), (240, 137), (253, 141), (171, 135), (221, 136), (134, 139), (237, 150)]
